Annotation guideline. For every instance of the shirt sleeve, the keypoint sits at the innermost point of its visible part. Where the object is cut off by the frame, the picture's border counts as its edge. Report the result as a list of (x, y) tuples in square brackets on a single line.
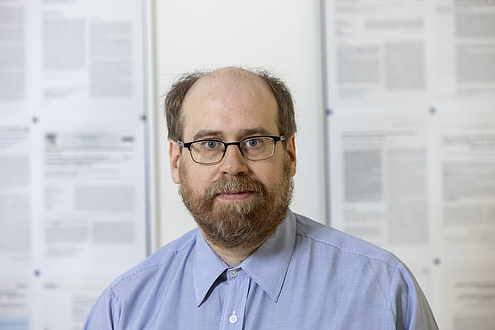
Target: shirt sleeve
[(103, 315), (408, 302)]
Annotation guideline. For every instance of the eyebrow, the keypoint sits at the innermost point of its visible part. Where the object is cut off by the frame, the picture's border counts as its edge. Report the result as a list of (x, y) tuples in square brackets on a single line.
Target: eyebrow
[(204, 133)]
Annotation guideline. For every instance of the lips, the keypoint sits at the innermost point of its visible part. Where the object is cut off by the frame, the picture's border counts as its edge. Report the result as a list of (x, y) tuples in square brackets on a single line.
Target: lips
[(237, 196)]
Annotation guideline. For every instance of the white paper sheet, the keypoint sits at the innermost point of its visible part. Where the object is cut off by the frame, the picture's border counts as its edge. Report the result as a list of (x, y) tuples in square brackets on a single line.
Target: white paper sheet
[(73, 167), (411, 163)]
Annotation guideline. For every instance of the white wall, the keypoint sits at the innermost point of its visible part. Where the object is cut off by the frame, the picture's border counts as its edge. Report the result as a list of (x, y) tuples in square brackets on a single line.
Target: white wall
[(280, 35)]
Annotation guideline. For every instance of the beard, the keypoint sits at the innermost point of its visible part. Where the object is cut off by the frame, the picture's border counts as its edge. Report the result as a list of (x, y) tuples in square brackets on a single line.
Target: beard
[(240, 224)]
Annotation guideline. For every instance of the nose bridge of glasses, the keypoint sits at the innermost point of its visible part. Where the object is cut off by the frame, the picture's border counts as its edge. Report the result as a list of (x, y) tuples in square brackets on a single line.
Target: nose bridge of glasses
[(237, 144)]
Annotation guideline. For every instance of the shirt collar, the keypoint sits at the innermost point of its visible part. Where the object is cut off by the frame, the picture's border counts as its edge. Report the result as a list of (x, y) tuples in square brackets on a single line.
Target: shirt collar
[(207, 267), (267, 265)]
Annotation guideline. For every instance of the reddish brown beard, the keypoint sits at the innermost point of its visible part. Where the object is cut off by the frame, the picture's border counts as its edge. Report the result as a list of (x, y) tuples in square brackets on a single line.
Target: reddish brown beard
[(243, 224)]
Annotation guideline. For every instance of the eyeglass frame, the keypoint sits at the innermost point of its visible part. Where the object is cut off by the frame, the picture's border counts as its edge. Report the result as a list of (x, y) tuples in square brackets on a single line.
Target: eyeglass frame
[(227, 144)]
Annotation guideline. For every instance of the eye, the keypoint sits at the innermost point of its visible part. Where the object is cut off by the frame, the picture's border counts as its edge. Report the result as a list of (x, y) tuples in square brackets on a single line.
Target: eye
[(253, 143), (211, 144)]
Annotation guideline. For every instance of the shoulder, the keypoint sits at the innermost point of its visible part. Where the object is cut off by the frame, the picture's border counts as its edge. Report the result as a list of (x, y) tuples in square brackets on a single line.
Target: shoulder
[(167, 257), (351, 265), (337, 243)]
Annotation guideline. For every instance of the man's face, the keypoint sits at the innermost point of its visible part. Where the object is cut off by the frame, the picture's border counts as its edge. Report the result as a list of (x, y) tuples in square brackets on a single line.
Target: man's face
[(236, 202)]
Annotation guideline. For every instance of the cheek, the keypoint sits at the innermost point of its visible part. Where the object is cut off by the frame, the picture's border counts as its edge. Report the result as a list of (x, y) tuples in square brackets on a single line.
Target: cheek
[(200, 184), (197, 178), (267, 175)]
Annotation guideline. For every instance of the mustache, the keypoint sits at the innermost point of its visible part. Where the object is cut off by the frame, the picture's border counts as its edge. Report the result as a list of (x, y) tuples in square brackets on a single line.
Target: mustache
[(234, 185)]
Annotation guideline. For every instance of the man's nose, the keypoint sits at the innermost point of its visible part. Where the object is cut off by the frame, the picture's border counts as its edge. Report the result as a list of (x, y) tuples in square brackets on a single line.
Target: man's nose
[(233, 162)]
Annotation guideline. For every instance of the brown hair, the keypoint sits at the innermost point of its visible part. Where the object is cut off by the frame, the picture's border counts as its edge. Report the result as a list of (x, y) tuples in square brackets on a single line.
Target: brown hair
[(175, 97)]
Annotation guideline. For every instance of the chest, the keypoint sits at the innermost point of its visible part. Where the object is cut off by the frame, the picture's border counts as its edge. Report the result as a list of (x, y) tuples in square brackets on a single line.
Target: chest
[(240, 303)]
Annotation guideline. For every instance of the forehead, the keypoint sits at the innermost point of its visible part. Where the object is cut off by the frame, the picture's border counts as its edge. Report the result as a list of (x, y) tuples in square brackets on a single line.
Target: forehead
[(229, 104)]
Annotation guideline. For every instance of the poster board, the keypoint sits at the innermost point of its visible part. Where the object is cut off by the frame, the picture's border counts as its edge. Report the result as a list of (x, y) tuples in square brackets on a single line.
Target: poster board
[(410, 135), (74, 155)]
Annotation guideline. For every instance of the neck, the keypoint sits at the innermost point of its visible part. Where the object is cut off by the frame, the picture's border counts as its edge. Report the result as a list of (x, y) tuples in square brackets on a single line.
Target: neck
[(231, 256)]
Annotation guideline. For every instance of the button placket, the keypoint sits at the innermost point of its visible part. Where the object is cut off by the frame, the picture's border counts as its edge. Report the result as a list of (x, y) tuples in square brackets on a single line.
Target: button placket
[(233, 314)]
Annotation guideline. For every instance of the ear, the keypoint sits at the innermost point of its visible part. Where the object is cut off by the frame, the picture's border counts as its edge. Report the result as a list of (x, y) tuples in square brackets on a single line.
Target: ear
[(174, 156), (291, 152)]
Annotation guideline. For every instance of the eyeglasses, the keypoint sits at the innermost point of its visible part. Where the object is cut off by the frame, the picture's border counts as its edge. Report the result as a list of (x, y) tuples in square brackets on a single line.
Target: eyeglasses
[(212, 151)]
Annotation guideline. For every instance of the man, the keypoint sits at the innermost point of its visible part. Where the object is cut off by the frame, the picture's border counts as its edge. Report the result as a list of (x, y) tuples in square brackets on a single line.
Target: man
[(252, 263)]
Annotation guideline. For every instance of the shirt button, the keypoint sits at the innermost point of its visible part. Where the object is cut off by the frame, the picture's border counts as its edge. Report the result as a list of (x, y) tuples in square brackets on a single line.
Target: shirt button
[(233, 273), (233, 318)]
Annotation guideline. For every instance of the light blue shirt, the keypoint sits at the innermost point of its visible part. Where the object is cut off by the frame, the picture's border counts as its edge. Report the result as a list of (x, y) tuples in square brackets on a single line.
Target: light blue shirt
[(306, 276)]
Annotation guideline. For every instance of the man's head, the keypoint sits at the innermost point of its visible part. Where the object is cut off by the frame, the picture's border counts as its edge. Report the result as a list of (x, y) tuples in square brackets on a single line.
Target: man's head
[(237, 203)]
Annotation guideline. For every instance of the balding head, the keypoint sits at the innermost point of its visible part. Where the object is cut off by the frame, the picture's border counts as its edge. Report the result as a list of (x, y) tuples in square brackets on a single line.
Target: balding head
[(257, 80)]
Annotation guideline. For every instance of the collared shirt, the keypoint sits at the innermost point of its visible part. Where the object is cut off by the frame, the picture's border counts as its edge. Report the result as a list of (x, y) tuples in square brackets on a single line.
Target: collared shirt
[(306, 276)]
